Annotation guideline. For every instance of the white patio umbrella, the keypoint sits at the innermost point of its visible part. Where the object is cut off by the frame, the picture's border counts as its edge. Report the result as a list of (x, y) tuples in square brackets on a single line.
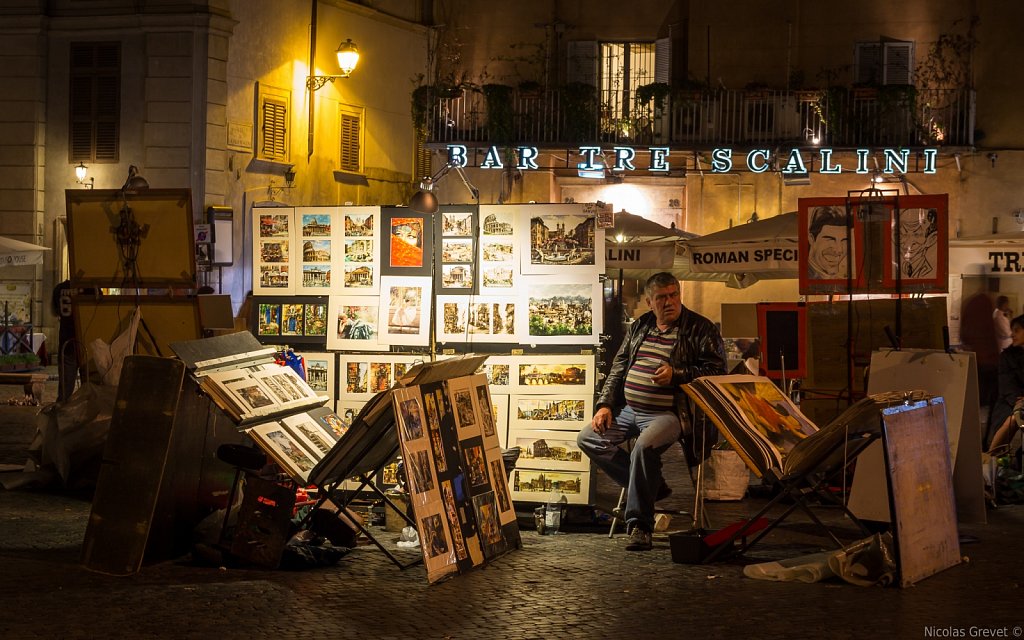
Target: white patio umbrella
[(15, 253), (740, 256)]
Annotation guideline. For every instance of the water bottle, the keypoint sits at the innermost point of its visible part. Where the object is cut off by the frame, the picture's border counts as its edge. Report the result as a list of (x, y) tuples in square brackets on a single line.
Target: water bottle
[(553, 512)]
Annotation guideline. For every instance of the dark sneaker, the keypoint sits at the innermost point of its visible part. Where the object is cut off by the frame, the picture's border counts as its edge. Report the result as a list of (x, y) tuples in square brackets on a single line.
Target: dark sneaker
[(639, 540)]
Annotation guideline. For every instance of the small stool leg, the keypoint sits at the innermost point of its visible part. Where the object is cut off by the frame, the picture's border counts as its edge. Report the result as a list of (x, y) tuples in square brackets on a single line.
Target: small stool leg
[(616, 511)]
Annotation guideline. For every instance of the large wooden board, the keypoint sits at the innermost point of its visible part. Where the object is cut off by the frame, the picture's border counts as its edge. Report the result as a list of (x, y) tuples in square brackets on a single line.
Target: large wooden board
[(133, 465), (953, 377), (921, 490)]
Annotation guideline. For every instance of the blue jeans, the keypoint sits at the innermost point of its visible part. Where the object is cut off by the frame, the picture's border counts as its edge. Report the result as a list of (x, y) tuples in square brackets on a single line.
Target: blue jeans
[(639, 471)]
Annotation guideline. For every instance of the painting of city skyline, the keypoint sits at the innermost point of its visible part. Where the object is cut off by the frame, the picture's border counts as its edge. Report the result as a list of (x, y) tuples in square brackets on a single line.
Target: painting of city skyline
[(554, 450), (560, 313)]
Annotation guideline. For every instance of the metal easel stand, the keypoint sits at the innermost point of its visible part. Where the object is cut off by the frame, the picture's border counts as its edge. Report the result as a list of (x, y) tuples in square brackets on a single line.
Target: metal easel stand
[(345, 500)]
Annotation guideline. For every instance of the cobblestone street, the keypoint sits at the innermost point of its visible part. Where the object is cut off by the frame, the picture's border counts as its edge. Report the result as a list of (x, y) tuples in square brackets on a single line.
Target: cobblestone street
[(571, 585)]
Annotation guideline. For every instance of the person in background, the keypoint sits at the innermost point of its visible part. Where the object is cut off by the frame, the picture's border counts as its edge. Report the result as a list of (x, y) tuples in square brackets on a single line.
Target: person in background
[(1011, 386), (1001, 321), (664, 348), (68, 369)]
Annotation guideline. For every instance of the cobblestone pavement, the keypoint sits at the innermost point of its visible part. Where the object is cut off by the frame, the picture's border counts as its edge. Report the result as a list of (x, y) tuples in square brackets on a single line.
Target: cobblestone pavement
[(572, 585)]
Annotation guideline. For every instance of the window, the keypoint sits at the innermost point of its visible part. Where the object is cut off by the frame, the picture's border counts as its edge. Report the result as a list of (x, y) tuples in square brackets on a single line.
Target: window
[(94, 113), (884, 63), (273, 110), (350, 133), (617, 69)]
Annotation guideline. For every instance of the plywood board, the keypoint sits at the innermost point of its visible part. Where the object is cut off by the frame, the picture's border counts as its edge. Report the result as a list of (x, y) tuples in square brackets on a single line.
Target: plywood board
[(921, 490), (952, 377), (164, 320), (160, 219), (133, 465)]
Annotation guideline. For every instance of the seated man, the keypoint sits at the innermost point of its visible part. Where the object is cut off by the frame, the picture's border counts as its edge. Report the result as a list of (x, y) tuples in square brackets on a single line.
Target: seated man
[(663, 349)]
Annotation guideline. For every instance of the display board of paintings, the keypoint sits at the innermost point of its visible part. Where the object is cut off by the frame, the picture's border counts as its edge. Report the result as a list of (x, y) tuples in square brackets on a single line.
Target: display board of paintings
[(458, 489), (289, 319), (273, 239), (455, 255), (363, 376), (315, 250)]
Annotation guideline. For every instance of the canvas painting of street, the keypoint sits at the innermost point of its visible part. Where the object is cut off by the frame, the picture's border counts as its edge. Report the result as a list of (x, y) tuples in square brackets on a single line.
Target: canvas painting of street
[(562, 240), (550, 412)]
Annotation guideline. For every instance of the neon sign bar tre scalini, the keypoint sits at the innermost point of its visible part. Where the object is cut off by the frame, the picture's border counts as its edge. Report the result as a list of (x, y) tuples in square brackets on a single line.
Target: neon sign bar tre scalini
[(757, 160)]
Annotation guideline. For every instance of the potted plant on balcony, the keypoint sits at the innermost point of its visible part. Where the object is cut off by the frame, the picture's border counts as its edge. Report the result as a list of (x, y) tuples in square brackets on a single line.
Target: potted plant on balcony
[(579, 111), (500, 113), (655, 92)]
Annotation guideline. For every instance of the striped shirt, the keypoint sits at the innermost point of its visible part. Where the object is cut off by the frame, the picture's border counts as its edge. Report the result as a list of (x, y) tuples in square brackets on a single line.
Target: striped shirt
[(641, 393)]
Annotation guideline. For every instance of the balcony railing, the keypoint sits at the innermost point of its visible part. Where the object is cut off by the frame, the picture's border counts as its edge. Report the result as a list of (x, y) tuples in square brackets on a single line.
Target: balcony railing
[(840, 118)]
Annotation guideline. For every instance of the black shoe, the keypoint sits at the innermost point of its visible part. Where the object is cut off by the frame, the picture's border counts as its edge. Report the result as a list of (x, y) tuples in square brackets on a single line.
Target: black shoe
[(639, 540)]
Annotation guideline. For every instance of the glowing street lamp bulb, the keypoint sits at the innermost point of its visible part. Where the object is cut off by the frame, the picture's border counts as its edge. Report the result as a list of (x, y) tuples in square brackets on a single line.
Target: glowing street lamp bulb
[(80, 172), (618, 237), (348, 56)]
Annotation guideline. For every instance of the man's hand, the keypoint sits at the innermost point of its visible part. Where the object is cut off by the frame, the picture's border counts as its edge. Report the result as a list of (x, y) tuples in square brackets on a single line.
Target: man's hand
[(602, 420), (663, 376)]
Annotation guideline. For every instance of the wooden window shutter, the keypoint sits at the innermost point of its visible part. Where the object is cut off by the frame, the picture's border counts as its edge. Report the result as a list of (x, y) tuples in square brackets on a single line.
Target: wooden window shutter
[(350, 131), (273, 113), (899, 63), (94, 110), (868, 63), (582, 63), (663, 60), (421, 161)]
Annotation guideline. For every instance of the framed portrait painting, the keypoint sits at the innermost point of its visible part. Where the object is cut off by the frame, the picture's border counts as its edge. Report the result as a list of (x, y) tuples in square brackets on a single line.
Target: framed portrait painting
[(830, 236), (917, 246), (407, 242)]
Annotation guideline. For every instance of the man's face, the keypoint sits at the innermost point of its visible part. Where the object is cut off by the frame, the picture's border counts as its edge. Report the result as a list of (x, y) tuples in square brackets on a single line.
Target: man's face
[(913, 237), (828, 250), (664, 302)]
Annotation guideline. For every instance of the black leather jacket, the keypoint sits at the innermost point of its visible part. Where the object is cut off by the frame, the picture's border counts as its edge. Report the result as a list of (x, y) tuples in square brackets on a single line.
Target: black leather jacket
[(698, 352)]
